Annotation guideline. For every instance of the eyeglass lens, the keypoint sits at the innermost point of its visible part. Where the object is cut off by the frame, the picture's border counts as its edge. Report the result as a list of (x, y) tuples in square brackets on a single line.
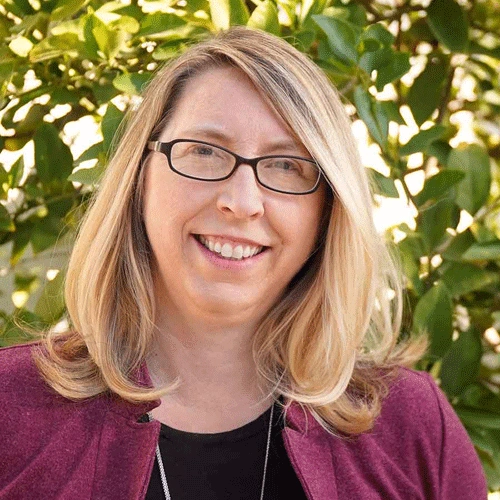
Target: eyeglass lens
[(208, 162)]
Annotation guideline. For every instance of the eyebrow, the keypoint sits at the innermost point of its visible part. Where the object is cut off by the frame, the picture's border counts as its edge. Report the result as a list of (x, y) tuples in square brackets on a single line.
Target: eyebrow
[(213, 133)]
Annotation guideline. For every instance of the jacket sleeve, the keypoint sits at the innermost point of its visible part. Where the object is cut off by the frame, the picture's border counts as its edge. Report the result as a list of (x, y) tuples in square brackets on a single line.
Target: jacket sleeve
[(461, 472)]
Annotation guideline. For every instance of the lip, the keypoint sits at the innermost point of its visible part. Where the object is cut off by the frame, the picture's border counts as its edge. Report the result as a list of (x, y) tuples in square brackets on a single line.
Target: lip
[(229, 264), (231, 239)]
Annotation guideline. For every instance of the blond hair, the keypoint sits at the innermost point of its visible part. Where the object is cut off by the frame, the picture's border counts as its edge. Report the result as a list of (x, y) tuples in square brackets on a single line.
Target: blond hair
[(328, 344)]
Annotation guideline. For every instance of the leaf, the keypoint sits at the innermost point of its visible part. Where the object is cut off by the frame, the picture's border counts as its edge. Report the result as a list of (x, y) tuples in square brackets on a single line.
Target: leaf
[(448, 22), (308, 8), (159, 26), (383, 185), (439, 149), (6, 223), (60, 206), (475, 48), (371, 60), (73, 26), (433, 221), (32, 120), (29, 24), (365, 107), (118, 22), (420, 141), (357, 13), (56, 46), (110, 123), (382, 121), (5, 27), (47, 231), (438, 185), (53, 158), (64, 96), (109, 40), (226, 13), (132, 83), (411, 267), (473, 191), (424, 95), (104, 93), (265, 17), (458, 245), (379, 33), (92, 153), (16, 172), (50, 305), (433, 315), (125, 8), (4, 177), (90, 176), (396, 67), (66, 8), (14, 328), (21, 8), (379, 55), (462, 278), (483, 251), (392, 112), (342, 37), (21, 239), (461, 363), (15, 143), (478, 418)]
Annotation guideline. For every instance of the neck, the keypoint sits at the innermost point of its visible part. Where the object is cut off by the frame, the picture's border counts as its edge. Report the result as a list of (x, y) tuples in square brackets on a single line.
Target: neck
[(219, 388)]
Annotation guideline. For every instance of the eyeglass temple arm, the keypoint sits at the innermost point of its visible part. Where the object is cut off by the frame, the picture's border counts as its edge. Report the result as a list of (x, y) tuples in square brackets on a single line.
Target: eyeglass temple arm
[(154, 145)]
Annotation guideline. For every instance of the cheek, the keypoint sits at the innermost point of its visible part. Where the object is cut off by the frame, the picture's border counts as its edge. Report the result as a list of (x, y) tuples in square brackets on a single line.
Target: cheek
[(308, 221), (159, 219)]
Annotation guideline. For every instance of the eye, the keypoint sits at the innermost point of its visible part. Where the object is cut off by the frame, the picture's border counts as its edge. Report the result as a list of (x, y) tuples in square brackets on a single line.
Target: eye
[(202, 150), (284, 165)]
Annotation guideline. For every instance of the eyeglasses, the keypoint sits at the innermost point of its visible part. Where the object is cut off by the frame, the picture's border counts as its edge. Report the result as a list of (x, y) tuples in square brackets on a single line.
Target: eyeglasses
[(206, 162)]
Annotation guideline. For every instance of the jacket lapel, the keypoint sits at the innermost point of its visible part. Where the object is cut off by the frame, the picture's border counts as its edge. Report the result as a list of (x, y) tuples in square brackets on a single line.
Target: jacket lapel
[(310, 454)]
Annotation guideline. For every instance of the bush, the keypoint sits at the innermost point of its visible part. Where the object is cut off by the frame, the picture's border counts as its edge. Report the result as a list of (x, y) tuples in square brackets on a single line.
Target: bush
[(411, 74)]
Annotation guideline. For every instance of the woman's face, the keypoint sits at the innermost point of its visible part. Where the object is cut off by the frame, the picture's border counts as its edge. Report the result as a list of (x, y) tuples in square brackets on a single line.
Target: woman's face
[(183, 216)]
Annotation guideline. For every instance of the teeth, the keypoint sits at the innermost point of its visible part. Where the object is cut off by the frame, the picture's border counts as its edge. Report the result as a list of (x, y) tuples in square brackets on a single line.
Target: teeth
[(238, 252), (227, 251)]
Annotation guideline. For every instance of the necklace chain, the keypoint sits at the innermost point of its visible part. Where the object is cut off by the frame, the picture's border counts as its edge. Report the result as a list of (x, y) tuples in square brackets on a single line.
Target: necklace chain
[(163, 476)]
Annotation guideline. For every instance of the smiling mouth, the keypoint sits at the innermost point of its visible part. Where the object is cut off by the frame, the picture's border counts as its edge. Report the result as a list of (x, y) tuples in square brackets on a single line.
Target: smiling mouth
[(229, 251)]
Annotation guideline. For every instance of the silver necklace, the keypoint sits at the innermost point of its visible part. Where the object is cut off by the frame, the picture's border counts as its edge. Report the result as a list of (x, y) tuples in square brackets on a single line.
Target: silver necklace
[(163, 476)]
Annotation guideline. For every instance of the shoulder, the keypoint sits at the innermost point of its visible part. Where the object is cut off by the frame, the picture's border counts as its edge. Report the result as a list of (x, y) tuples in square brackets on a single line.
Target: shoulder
[(417, 449), (417, 407), (419, 434), (25, 393), (18, 372), (417, 418), (413, 398)]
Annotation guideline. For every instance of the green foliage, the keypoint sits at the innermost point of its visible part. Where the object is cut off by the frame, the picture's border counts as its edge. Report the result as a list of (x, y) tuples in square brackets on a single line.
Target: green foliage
[(411, 73)]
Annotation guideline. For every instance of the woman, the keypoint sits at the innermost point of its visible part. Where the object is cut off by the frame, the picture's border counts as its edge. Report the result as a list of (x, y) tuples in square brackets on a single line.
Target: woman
[(233, 335)]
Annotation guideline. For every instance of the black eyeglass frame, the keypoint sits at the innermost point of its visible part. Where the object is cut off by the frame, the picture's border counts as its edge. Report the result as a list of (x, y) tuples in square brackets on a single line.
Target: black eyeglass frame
[(166, 149)]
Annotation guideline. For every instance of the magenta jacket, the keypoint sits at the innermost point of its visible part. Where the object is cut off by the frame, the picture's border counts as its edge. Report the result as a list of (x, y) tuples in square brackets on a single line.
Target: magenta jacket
[(54, 448)]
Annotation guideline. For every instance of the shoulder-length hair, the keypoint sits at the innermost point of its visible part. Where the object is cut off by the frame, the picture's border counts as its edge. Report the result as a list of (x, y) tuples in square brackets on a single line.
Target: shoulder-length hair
[(328, 343)]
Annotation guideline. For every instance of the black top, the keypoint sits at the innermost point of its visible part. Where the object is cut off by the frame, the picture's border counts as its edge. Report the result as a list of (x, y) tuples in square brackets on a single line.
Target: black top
[(226, 465)]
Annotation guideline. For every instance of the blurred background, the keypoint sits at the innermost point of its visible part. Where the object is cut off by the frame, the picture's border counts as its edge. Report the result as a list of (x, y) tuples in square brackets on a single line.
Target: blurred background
[(420, 80)]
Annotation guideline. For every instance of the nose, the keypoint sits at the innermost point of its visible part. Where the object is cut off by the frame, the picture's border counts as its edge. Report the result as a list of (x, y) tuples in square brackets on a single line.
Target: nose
[(241, 196)]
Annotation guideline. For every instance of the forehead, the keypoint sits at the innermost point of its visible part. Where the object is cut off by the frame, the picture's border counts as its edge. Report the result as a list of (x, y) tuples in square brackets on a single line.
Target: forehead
[(222, 103)]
